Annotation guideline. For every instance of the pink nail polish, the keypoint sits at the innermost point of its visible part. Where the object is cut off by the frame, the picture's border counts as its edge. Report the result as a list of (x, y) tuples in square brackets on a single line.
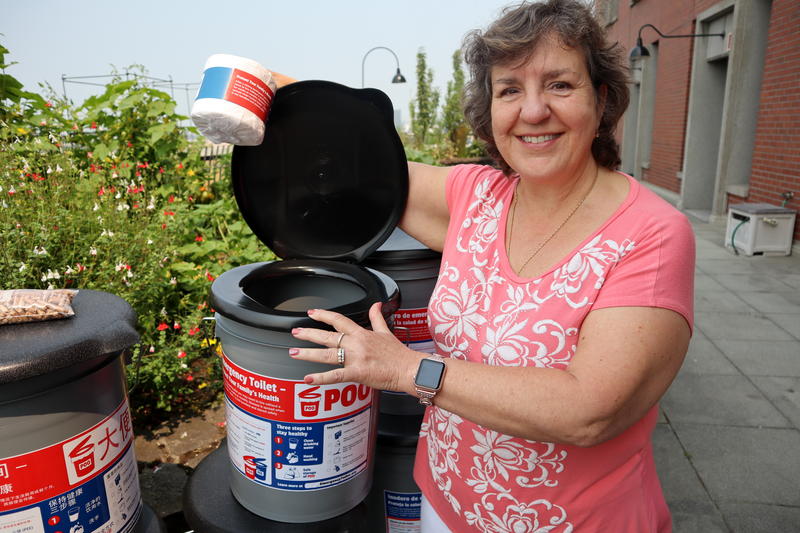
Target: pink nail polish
[(294, 351), (309, 380), (311, 312), (296, 331)]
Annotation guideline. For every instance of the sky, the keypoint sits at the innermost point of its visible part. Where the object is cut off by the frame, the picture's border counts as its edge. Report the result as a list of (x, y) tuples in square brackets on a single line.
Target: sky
[(311, 39)]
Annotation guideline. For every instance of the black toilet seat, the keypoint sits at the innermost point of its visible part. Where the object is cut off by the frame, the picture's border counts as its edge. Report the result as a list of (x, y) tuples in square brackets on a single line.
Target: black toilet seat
[(248, 294)]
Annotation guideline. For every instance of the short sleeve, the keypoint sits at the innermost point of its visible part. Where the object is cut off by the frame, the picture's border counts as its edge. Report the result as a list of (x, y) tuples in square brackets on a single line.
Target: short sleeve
[(656, 271)]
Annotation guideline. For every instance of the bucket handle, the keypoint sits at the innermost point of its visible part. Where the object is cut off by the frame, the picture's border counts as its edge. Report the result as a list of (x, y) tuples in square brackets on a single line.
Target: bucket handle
[(407, 334)]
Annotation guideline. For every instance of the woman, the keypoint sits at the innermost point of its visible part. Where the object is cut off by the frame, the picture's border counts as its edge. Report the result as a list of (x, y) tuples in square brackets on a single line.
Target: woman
[(563, 308)]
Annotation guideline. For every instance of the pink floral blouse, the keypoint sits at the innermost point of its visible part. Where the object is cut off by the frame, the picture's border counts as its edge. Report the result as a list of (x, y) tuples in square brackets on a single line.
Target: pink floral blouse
[(480, 480)]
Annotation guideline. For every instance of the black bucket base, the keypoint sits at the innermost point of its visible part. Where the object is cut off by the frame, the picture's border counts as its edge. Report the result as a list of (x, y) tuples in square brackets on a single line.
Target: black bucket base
[(209, 505), (149, 522)]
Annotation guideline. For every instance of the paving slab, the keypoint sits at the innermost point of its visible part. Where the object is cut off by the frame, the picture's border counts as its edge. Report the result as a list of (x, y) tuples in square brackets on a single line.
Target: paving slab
[(705, 282), (691, 506), (721, 302), (763, 358), (738, 464), (751, 282), (760, 518), (703, 357), (719, 400), (726, 266), (729, 326), (789, 322), (784, 393), (787, 301)]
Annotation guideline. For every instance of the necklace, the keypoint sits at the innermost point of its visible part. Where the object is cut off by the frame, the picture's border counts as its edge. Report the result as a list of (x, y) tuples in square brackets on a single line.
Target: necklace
[(555, 231)]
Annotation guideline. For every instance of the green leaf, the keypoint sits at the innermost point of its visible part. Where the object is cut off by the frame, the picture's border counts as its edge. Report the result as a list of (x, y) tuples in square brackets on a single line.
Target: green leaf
[(100, 151)]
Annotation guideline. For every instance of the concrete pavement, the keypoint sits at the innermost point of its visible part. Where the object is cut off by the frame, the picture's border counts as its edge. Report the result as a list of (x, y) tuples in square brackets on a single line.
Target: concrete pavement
[(727, 445)]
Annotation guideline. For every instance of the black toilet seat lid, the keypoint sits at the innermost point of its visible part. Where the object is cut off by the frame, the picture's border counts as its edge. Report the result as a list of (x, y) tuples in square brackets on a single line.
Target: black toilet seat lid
[(330, 179)]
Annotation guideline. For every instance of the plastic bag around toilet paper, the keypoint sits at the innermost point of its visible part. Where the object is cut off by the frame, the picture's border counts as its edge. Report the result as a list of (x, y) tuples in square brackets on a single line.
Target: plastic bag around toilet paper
[(233, 100)]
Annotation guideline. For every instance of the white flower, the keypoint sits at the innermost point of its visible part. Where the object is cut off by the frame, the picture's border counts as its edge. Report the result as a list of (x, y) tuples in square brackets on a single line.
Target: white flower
[(39, 250), (114, 175), (149, 241), (96, 207), (122, 206), (107, 233), (4, 204), (50, 275), (151, 205), (163, 311), (22, 266), (58, 168), (152, 349), (92, 251), (118, 195), (69, 271), (173, 281)]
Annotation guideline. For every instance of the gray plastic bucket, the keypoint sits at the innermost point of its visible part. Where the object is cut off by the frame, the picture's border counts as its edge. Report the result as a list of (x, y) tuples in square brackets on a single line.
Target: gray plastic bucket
[(66, 443), (298, 452), (394, 503)]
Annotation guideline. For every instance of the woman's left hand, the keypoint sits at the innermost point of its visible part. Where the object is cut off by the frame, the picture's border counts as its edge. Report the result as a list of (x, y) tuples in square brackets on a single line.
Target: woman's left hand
[(371, 357)]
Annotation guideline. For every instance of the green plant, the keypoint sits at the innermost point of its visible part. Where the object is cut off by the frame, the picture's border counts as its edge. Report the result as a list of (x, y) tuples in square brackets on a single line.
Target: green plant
[(112, 195)]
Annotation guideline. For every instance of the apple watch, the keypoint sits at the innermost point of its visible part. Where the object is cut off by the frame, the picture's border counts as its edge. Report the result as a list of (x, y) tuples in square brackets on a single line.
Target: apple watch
[(428, 380)]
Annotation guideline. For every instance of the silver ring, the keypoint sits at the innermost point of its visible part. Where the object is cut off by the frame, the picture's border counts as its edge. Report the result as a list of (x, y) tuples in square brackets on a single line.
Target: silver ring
[(339, 342), (340, 356)]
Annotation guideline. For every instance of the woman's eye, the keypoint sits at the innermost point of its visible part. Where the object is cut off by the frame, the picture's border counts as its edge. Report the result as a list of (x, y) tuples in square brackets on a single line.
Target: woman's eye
[(560, 86), (507, 91)]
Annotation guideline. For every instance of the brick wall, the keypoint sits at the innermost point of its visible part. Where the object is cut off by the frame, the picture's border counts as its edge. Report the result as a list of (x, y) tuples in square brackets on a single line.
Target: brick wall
[(776, 157), (776, 161)]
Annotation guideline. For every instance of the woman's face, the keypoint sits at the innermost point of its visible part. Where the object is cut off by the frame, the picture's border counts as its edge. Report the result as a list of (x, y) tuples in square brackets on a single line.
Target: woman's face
[(545, 112)]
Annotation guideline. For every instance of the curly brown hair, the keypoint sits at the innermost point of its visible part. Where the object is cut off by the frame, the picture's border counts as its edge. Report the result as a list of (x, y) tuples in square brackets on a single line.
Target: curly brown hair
[(514, 37)]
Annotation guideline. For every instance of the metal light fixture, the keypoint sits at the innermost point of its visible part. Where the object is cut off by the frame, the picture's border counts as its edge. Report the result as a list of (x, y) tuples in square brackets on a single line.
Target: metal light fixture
[(398, 77), (640, 50)]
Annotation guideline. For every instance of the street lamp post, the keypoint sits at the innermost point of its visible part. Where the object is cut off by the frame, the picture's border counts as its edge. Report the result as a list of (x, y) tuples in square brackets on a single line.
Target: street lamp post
[(640, 50), (398, 78)]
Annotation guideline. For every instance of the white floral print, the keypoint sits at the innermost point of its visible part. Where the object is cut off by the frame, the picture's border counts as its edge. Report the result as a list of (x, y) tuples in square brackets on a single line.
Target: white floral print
[(499, 471)]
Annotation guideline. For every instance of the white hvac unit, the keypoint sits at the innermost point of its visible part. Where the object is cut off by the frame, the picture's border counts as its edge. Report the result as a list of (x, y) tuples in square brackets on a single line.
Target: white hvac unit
[(760, 229)]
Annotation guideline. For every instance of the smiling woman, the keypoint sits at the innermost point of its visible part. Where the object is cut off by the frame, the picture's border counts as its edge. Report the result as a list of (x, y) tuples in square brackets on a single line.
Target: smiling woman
[(563, 308)]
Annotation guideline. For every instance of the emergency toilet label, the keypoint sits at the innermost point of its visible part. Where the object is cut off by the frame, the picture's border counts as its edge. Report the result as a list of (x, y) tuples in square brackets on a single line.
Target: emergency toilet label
[(403, 511), (411, 328), (286, 434), (83, 484)]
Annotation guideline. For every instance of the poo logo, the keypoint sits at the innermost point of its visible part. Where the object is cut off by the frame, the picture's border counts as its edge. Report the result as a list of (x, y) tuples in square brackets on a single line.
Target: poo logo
[(322, 402)]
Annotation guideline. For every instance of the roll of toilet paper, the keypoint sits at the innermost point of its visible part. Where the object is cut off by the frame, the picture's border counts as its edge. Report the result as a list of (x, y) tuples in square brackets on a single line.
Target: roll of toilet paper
[(233, 100)]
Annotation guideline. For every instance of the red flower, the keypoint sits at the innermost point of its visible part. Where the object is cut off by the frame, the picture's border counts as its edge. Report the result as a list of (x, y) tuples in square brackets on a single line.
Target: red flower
[(190, 378), (162, 327), (176, 326), (130, 144), (180, 165), (181, 354), (102, 190), (163, 226), (49, 104), (194, 331), (169, 213), (199, 238), (171, 198), (93, 126), (209, 277), (161, 170)]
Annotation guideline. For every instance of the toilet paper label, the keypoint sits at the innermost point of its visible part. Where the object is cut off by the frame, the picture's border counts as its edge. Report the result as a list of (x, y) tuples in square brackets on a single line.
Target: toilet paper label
[(289, 435), (86, 483), (411, 328), (237, 86)]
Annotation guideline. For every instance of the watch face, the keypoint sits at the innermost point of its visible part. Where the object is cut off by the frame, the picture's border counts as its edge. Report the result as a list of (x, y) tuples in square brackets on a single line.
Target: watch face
[(429, 374)]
